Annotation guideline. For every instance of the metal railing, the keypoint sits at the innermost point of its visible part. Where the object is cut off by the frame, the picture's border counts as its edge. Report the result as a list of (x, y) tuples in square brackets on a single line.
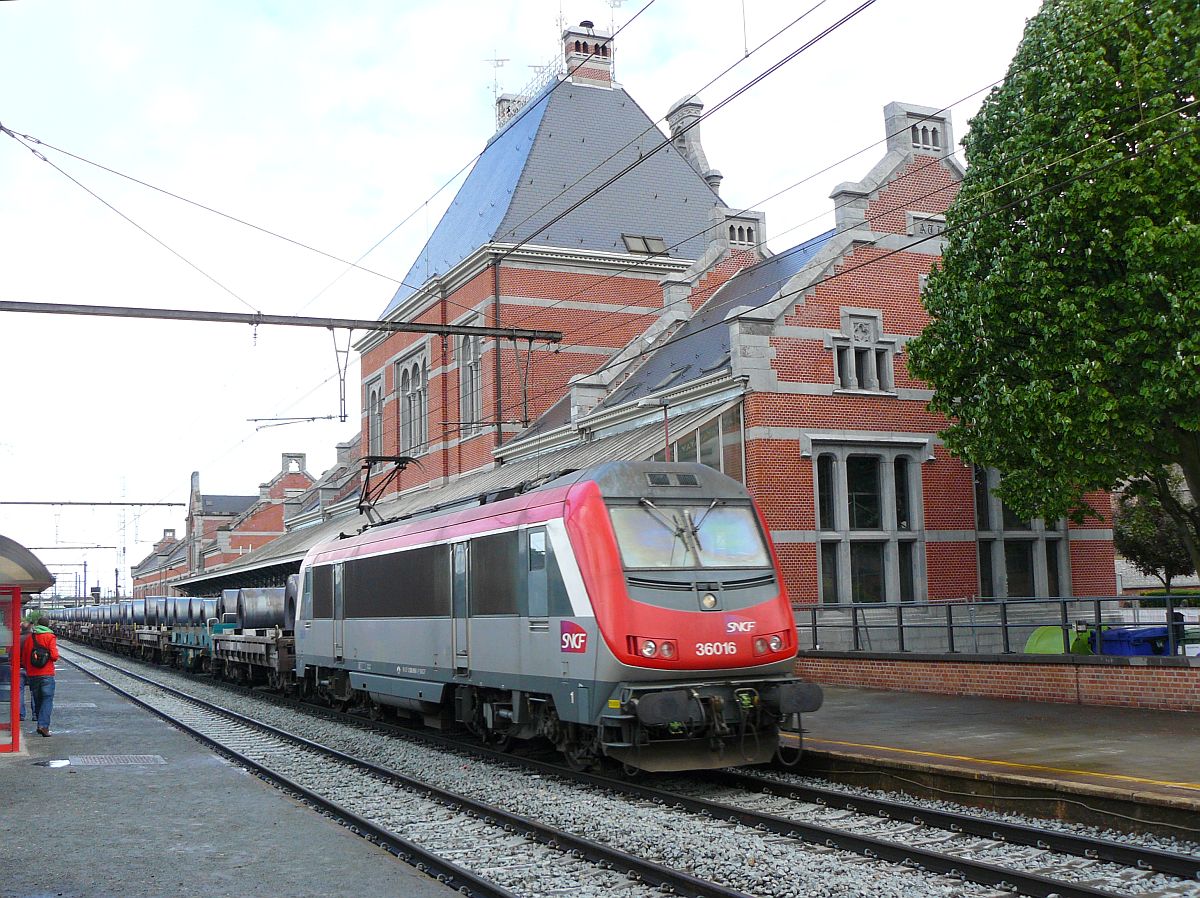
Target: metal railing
[(1099, 625)]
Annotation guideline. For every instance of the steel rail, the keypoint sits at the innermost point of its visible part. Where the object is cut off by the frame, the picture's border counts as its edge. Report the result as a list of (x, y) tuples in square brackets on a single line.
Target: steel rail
[(1093, 848), (596, 853)]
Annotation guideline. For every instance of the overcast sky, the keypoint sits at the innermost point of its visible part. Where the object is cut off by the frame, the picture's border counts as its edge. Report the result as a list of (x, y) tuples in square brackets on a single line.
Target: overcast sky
[(331, 123)]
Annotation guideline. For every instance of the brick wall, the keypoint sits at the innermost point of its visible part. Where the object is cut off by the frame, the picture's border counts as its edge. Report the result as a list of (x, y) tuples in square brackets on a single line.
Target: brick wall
[(1071, 681)]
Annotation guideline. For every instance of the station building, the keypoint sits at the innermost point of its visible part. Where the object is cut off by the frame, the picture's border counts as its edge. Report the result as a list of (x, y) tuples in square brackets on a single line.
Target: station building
[(684, 337), (221, 529)]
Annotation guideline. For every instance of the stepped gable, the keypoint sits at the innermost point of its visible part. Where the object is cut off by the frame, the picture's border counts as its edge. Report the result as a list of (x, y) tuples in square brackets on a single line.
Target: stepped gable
[(558, 139)]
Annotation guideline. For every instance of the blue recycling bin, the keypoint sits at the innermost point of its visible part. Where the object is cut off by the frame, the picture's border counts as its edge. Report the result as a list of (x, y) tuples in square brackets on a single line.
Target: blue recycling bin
[(1131, 641)]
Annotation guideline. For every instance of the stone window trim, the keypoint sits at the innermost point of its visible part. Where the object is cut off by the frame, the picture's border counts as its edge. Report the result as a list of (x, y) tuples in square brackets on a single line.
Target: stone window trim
[(903, 554), (470, 385), (863, 351), (411, 390), (373, 408), (994, 530)]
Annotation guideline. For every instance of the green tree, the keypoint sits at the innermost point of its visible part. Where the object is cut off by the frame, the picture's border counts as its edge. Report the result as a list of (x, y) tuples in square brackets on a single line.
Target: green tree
[(1064, 340), (1148, 537)]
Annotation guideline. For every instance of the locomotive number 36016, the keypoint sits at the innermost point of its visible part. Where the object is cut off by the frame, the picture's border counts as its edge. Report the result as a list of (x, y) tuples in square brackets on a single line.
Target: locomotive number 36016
[(716, 648)]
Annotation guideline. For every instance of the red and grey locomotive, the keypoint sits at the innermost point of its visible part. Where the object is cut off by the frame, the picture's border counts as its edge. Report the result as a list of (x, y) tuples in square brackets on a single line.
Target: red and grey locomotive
[(633, 610)]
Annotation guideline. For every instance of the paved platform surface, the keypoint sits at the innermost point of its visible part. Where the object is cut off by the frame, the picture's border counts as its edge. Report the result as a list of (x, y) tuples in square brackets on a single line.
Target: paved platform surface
[(1125, 751), (194, 825)]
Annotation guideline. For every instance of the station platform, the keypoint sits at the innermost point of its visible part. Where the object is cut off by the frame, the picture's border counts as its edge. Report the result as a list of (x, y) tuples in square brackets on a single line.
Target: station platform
[(142, 809), (1120, 760)]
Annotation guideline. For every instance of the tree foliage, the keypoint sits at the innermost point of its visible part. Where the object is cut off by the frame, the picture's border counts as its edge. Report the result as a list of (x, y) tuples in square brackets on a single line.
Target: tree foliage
[(1148, 537), (1064, 340)]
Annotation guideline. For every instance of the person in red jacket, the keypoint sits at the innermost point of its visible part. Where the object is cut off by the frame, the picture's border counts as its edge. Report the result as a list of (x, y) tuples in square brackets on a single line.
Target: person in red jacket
[(40, 676)]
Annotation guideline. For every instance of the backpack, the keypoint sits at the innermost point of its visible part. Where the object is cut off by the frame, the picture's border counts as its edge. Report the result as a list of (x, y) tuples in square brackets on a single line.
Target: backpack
[(39, 655)]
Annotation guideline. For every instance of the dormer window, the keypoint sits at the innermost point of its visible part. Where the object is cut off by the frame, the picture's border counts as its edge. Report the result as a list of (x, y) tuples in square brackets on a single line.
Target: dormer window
[(650, 246)]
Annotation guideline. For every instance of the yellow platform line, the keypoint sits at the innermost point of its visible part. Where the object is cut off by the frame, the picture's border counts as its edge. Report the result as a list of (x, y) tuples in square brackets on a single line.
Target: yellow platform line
[(1044, 769)]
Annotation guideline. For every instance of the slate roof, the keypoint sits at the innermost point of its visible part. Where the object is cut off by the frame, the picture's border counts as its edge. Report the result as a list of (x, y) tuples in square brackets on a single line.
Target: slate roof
[(558, 139), (226, 504), (700, 347)]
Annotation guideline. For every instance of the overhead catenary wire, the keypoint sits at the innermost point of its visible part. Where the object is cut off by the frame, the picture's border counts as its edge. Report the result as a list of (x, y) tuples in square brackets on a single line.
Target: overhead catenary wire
[(808, 178), (848, 270), (29, 141), (580, 337)]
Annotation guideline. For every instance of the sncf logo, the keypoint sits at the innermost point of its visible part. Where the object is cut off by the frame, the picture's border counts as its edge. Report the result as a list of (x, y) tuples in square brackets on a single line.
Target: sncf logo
[(574, 637), (737, 625)]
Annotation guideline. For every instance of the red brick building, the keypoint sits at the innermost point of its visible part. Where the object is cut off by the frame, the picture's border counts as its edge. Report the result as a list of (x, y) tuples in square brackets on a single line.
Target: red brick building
[(221, 529), (685, 337), (788, 371)]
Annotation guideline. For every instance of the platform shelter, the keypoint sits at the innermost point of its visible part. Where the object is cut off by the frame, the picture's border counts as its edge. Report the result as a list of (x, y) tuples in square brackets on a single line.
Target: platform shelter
[(21, 576)]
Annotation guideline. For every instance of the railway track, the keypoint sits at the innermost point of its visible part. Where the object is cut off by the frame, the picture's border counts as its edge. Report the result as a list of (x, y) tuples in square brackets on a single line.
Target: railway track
[(1003, 858), (468, 844)]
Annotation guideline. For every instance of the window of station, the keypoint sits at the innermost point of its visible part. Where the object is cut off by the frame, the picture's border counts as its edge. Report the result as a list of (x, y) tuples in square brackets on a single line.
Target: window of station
[(870, 532), (412, 392), (470, 385), (864, 359), (375, 418), (1018, 557), (649, 246), (716, 443)]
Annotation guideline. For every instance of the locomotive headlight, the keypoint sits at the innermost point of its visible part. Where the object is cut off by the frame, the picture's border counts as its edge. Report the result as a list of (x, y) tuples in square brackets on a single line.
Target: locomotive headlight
[(709, 602), (667, 650), (760, 646), (649, 648), (776, 642)]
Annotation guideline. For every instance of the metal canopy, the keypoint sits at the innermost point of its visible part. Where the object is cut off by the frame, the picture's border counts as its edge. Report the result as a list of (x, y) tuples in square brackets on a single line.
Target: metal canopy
[(21, 568)]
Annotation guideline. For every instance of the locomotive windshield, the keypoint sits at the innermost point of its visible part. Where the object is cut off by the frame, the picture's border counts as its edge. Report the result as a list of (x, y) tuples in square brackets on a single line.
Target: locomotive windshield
[(688, 536)]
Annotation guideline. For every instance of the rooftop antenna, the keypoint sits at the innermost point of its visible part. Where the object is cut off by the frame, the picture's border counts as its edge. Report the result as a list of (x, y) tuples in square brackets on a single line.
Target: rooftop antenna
[(612, 29), (497, 63)]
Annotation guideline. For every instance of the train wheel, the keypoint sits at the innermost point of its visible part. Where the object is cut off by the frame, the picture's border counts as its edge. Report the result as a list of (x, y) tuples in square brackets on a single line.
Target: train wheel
[(579, 748)]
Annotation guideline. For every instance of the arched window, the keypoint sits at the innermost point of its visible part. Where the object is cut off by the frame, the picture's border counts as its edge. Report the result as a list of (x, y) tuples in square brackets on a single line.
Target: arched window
[(937, 143), (374, 422), (741, 235), (749, 235), (470, 383), (585, 47), (422, 408), (924, 137), (578, 47), (916, 136), (732, 233), (406, 416)]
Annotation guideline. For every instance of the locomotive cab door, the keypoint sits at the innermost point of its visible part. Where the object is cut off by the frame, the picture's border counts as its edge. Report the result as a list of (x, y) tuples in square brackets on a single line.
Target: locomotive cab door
[(460, 607), (339, 610)]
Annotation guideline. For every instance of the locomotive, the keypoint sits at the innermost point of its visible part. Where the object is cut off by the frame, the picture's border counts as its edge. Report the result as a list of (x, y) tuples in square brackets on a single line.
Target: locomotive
[(633, 611)]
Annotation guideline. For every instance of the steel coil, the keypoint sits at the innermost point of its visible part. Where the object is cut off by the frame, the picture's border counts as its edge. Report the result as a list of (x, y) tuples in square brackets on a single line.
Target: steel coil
[(259, 608)]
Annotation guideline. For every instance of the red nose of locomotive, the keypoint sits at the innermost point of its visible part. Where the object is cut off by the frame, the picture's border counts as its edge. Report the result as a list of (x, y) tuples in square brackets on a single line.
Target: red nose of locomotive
[(680, 570)]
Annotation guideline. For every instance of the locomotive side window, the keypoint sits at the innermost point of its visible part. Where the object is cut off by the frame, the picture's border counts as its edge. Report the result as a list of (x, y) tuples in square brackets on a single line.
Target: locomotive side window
[(688, 536), (306, 596), (539, 599), (413, 583), (494, 573), (322, 607)]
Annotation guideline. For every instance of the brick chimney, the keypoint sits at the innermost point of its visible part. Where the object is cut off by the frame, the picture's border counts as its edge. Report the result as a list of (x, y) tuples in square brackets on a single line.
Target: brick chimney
[(588, 53)]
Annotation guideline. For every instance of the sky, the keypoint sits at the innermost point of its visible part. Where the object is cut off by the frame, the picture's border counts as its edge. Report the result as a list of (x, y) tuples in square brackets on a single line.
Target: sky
[(335, 125)]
